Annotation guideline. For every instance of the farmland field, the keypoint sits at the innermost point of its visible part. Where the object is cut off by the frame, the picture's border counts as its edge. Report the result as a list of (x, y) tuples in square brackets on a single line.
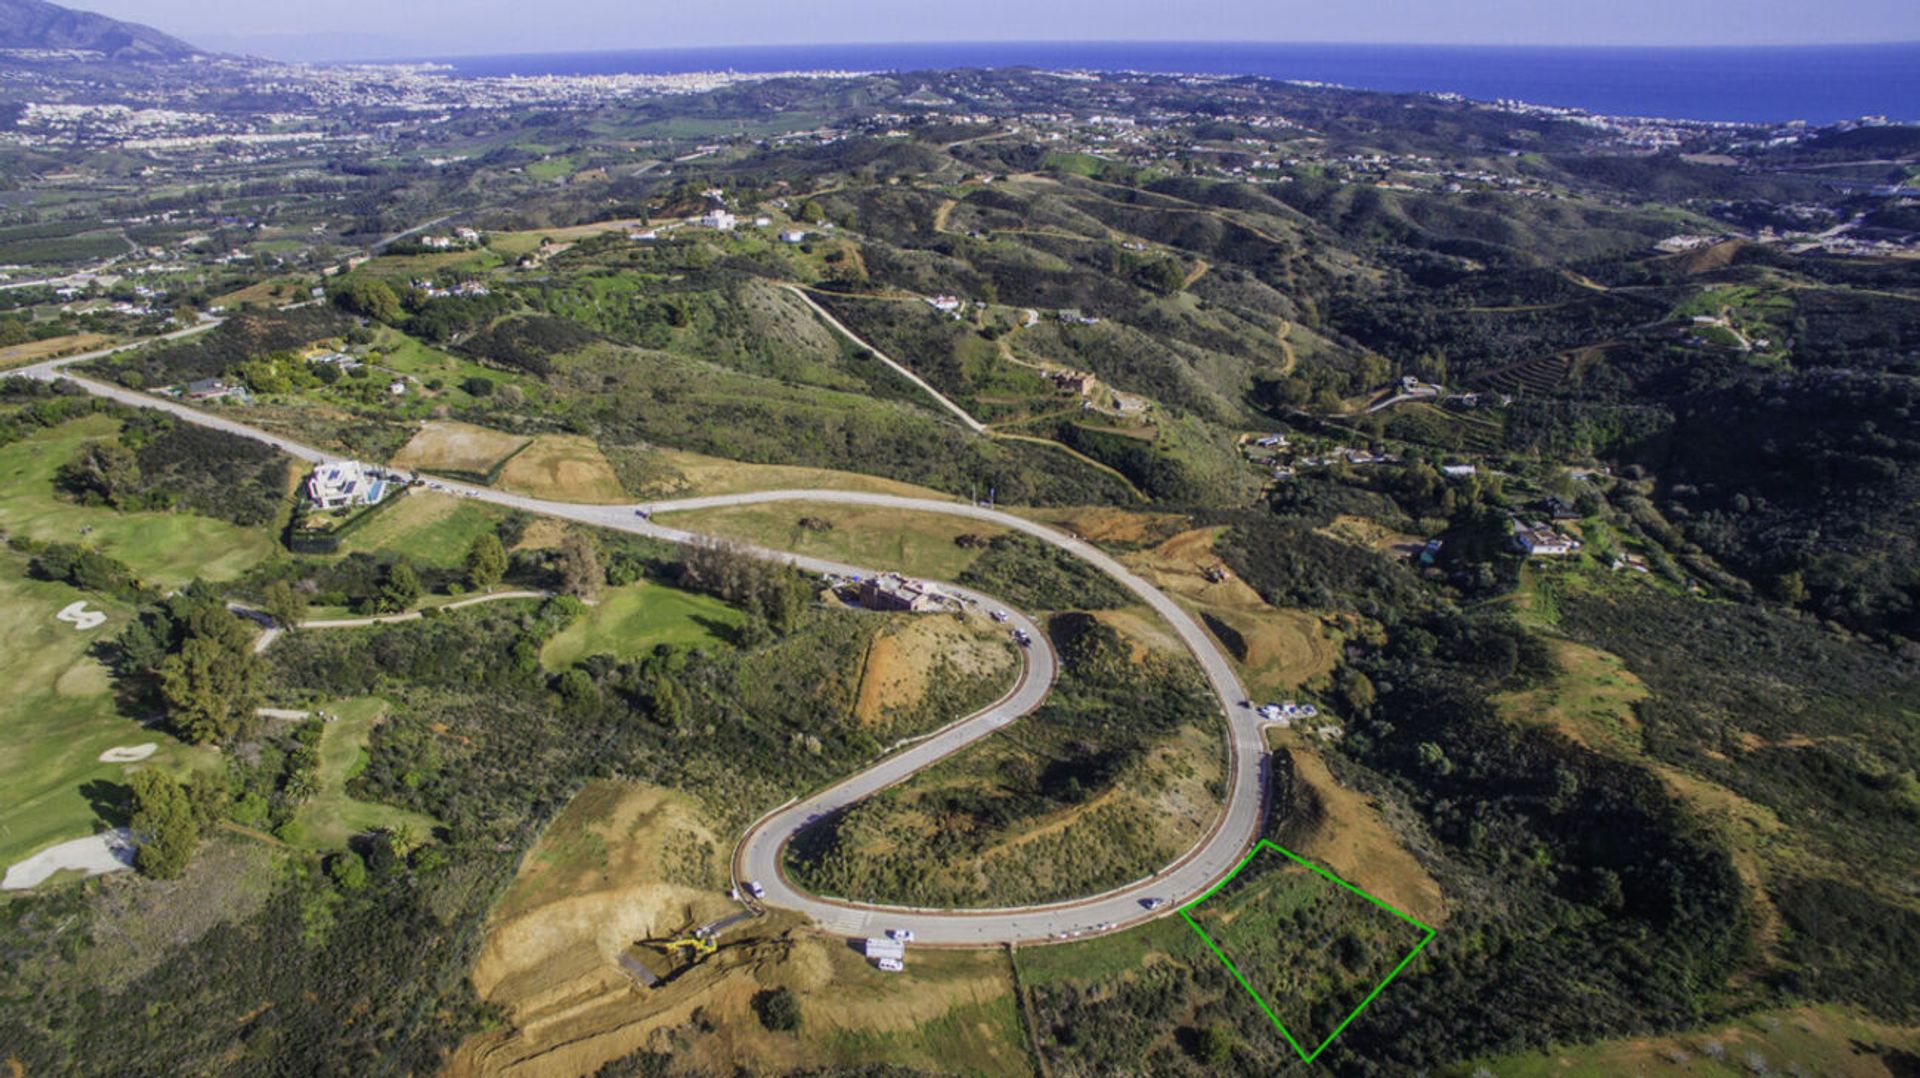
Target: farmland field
[(563, 467), (457, 447), (19, 355), (918, 543)]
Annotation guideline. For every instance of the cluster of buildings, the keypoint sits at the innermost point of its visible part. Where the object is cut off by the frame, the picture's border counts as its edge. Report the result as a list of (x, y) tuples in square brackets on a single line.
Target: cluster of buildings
[(463, 290), (461, 238)]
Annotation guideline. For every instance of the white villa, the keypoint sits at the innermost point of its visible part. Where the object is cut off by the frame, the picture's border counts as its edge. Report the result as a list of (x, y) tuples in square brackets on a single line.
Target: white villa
[(1539, 540), (719, 220), (338, 484)]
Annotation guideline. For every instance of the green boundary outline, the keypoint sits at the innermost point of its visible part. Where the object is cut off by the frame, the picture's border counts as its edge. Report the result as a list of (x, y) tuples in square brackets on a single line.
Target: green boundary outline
[(1265, 844)]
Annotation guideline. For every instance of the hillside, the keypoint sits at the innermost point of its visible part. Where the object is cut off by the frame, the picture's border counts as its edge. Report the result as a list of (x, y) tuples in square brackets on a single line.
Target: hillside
[(36, 24)]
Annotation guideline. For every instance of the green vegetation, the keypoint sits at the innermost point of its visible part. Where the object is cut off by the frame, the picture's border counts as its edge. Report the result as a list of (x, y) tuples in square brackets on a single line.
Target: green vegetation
[(1311, 949), (631, 621), (1110, 779), (328, 817), (1033, 575), (61, 716), (163, 548), (932, 545)]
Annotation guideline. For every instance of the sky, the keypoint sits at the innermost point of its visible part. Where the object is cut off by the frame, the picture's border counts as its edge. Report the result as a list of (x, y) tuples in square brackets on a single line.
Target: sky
[(386, 29)]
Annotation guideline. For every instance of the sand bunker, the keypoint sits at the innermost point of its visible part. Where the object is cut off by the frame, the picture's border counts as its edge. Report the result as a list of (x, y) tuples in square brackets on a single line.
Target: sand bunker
[(108, 851), (126, 754), (82, 618)]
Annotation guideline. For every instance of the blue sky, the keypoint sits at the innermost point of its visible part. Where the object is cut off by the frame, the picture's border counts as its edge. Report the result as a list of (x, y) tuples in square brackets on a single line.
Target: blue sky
[(328, 29)]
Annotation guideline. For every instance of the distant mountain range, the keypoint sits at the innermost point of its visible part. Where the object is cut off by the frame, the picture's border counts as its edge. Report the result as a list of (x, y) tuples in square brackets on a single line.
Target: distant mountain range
[(36, 24)]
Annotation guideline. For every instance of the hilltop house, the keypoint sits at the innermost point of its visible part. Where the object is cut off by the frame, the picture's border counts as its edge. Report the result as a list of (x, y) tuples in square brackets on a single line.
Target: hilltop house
[(339, 484), (891, 591), (1539, 540), (1080, 382), (719, 220), (947, 304), (213, 389)]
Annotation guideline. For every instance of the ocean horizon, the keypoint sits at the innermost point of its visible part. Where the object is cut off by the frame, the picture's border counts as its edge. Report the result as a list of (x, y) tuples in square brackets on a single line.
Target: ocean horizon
[(1758, 84)]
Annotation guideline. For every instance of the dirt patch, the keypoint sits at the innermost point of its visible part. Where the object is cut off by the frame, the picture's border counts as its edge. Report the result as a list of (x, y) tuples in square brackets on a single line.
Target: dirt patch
[(1370, 534), (457, 447), (1590, 701), (1354, 840), (19, 355), (563, 467), (613, 870), (1117, 526), (1276, 650), (699, 474), (544, 533)]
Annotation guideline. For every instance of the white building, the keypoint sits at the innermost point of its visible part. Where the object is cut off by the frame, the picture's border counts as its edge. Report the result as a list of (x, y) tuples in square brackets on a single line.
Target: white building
[(719, 220), (338, 484), (1539, 540), (949, 304), (793, 236)]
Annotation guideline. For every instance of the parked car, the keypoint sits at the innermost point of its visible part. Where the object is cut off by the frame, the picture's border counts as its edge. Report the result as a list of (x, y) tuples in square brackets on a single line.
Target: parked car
[(890, 965), (903, 935), (999, 615), (753, 886), (1153, 903)]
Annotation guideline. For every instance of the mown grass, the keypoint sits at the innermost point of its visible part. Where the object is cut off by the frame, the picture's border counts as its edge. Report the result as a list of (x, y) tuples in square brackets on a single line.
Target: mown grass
[(58, 715), (631, 620), (168, 549), (433, 530), (329, 818)]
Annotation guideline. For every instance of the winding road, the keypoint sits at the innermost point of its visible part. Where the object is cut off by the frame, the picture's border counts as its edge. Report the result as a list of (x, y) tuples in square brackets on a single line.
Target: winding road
[(760, 852)]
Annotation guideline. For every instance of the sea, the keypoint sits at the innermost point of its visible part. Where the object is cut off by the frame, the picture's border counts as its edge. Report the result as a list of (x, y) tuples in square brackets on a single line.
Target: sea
[(1818, 84)]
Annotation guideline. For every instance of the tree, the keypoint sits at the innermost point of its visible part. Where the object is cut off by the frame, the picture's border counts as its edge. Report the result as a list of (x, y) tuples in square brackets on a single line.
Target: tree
[(486, 562), (1216, 1046), (401, 589), (779, 1009), (368, 296), (163, 825), (103, 471), (210, 688), (1357, 690), (578, 565), (348, 870), (285, 604)]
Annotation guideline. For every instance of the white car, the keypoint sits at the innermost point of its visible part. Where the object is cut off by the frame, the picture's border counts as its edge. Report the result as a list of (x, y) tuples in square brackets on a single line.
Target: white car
[(998, 615), (890, 965), (1153, 903), (753, 886), (1104, 926), (902, 935)]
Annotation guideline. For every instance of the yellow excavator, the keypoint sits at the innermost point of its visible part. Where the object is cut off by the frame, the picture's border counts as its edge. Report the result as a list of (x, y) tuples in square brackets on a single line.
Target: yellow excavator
[(698, 947)]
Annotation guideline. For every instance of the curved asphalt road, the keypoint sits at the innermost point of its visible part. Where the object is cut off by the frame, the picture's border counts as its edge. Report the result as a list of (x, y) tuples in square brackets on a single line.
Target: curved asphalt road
[(759, 853)]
